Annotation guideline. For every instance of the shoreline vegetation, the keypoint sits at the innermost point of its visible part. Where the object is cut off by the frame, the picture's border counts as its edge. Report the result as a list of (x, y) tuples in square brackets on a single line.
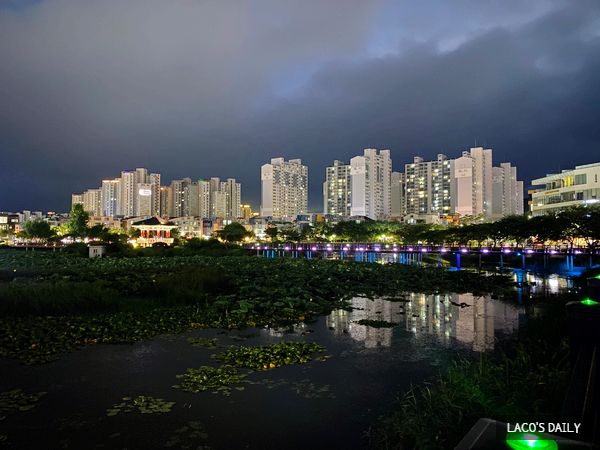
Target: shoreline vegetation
[(525, 379)]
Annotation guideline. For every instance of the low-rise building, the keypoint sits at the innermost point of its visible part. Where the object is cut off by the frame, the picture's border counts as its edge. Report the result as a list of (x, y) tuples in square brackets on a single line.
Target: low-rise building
[(575, 187)]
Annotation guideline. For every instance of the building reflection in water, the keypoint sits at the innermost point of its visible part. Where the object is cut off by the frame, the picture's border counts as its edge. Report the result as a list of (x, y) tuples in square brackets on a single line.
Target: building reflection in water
[(475, 325)]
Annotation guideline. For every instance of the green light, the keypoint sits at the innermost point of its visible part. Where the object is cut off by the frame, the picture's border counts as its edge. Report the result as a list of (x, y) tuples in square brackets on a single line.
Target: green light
[(523, 441), (597, 277), (589, 302)]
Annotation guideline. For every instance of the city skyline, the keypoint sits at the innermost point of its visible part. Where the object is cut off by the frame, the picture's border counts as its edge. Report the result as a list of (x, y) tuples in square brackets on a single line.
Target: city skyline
[(81, 99)]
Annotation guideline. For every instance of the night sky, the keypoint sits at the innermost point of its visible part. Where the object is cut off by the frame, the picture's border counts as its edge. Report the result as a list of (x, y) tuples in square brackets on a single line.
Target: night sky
[(216, 88)]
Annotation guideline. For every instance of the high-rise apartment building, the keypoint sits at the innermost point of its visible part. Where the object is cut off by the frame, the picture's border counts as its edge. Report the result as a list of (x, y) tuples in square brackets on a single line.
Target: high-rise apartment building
[(428, 186), (76, 199), (473, 183), (111, 197), (574, 187), (371, 176), (143, 200), (154, 180), (177, 203), (128, 193), (507, 197), (191, 200), (284, 188), (337, 190), (232, 191), (165, 201), (92, 202), (204, 206), (398, 196)]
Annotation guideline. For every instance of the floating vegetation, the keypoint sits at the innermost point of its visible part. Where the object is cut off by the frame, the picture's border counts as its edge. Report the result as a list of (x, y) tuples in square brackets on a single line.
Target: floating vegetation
[(142, 404), (218, 379), (187, 437), (203, 342), (376, 323), (16, 400), (270, 356), (61, 303)]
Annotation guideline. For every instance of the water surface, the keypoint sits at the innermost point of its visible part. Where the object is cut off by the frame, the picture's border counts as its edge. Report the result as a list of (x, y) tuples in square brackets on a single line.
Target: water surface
[(322, 404)]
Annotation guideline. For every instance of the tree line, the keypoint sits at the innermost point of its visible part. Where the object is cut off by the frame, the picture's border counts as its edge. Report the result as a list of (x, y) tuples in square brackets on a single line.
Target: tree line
[(573, 226)]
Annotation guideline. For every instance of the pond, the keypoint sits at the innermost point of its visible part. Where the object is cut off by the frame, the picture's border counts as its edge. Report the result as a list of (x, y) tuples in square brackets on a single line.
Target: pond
[(327, 402)]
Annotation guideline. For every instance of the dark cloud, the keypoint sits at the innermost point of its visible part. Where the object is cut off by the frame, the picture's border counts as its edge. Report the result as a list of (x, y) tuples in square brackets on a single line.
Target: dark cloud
[(216, 88)]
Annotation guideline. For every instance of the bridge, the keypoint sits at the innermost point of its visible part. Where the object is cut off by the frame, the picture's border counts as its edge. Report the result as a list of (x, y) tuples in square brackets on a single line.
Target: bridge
[(570, 257)]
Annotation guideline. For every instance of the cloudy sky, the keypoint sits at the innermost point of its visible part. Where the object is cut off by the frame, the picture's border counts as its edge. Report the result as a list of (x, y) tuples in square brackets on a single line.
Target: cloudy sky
[(205, 88)]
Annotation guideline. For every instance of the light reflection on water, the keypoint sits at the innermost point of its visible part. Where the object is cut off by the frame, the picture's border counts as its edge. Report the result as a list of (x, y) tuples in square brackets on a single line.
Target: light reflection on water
[(476, 324), (543, 284)]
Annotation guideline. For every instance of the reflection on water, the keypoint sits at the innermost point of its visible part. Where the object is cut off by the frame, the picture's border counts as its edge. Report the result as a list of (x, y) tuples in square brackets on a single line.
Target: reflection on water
[(540, 284), (475, 323)]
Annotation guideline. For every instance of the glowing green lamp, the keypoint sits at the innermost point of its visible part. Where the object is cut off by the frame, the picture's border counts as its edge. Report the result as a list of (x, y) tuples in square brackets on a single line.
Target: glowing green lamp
[(589, 302), (524, 441)]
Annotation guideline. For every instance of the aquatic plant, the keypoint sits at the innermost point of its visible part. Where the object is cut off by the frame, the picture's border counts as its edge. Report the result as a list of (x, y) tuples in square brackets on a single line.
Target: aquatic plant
[(218, 379), (267, 357), (16, 400), (142, 404)]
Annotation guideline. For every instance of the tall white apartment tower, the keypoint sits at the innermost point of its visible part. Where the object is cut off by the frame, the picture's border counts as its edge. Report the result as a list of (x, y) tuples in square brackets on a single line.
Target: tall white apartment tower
[(284, 188), (143, 200), (154, 180), (371, 184), (337, 190), (507, 198), (482, 173), (128, 193), (111, 197), (473, 183), (233, 192)]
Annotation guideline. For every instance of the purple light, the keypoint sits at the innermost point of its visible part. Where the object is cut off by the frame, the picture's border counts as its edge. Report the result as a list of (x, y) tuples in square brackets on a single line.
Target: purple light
[(395, 249), (424, 250), (444, 250), (314, 249), (286, 248), (578, 252), (298, 248), (529, 251), (506, 250), (410, 249), (485, 250), (463, 250), (553, 252)]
